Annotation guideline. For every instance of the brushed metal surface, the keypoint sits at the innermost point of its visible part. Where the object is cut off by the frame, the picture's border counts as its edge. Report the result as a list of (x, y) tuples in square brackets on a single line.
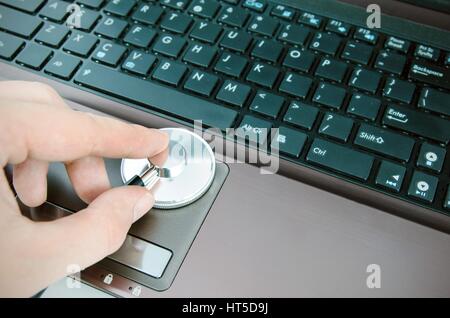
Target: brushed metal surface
[(268, 235)]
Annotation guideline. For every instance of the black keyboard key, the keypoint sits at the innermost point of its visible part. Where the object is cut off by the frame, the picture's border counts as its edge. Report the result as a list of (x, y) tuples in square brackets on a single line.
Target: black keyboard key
[(253, 129), (329, 95), (154, 96), (9, 46), (148, 14), (294, 34), (267, 104), (301, 115), (434, 100), (231, 64), (385, 142), (263, 25), (283, 12), (366, 35), (423, 186), (88, 19), (206, 31), (296, 85), (170, 45), (431, 157), (418, 123), (52, 35), (111, 27), (140, 36), (397, 44), (175, 4), (263, 74), (62, 65), (236, 40), (447, 199), (170, 72), (365, 80), (34, 56), (300, 60), (336, 126), (390, 62), (120, 7), (55, 11), (255, 5), (92, 3), (233, 93), (289, 141), (364, 106), (233, 16), (332, 69), (391, 176), (139, 63), (340, 158), (201, 83), (326, 43), (357, 52), (204, 9), (400, 90), (176, 22), (311, 20), (80, 43), (338, 27), (427, 52), (29, 6), (200, 54), (109, 53), (430, 74), (268, 50), (9, 22)]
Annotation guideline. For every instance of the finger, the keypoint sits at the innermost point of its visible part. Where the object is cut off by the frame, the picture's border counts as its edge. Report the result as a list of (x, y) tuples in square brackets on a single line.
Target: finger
[(35, 93), (89, 177), (49, 134), (88, 236), (30, 182), (7, 195), (160, 158)]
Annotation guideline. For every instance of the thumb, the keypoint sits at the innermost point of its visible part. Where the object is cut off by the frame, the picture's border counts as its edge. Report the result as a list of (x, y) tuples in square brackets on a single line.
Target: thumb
[(89, 235)]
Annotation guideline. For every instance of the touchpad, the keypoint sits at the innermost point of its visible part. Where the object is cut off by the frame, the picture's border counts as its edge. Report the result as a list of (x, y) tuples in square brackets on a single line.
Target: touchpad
[(157, 244)]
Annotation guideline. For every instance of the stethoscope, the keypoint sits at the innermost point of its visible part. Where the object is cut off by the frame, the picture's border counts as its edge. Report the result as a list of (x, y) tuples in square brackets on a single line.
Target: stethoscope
[(184, 177)]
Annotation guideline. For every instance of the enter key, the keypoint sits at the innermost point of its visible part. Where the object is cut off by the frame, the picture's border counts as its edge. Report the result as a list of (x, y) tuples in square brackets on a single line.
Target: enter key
[(384, 142)]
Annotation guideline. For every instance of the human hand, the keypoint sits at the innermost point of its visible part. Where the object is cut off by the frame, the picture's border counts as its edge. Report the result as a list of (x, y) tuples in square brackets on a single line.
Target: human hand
[(37, 127)]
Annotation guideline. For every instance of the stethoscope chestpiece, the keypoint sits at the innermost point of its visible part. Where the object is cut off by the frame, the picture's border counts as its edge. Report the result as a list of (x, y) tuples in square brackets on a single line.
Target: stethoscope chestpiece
[(183, 178)]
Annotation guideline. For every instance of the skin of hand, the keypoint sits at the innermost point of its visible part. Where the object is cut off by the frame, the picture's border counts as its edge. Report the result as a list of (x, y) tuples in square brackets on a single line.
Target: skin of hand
[(37, 127)]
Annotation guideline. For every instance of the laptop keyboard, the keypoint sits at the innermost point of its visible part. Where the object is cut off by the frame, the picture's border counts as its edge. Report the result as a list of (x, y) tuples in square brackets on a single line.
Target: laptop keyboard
[(357, 103)]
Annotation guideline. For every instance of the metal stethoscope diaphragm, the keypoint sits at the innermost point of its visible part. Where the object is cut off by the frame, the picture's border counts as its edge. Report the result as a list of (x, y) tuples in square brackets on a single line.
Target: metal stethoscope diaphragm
[(184, 177)]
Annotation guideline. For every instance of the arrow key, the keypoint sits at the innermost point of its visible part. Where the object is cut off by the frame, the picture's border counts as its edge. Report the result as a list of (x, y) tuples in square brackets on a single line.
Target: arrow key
[(390, 175), (431, 157), (423, 186)]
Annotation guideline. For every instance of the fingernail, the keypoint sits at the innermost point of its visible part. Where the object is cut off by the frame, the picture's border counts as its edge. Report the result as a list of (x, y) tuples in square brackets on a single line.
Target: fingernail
[(143, 206)]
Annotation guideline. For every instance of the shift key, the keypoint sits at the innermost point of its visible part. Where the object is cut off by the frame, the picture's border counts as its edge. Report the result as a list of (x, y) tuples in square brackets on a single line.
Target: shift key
[(339, 158), (384, 142)]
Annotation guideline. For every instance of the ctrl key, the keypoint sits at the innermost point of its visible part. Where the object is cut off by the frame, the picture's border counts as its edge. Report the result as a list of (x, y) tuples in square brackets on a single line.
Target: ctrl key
[(340, 158), (423, 186)]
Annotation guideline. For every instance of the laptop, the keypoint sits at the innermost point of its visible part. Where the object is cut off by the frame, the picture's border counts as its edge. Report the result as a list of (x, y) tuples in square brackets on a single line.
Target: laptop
[(359, 95)]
